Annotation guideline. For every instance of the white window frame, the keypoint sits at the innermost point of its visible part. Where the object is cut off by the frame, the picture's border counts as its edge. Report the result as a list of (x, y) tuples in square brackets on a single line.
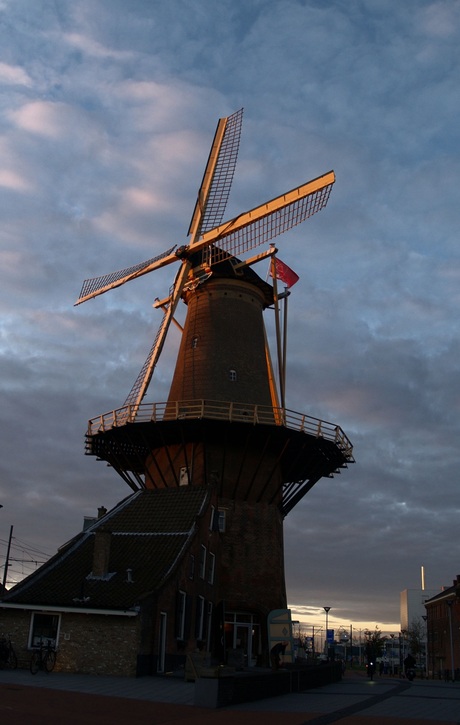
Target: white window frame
[(209, 627), (211, 567), (200, 619), (221, 518), (34, 639), (203, 561), (184, 476), (182, 611)]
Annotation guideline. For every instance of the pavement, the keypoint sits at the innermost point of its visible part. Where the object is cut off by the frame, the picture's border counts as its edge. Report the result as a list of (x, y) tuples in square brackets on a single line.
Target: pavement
[(69, 699)]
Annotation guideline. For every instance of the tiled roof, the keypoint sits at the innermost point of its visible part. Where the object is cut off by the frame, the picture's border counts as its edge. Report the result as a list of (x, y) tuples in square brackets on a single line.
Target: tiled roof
[(148, 532)]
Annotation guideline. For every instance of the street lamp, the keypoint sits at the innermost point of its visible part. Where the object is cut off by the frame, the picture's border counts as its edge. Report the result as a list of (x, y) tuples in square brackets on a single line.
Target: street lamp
[(449, 603), (326, 609), (427, 659)]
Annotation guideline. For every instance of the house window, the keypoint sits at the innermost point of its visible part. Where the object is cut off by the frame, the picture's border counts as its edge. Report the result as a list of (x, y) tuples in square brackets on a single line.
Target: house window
[(191, 567), (221, 520), (44, 628), (232, 375), (203, 562), (199, 618), (184, 479), (214, 520), (180, 615), (194, 342), (209, 626), (211, 568)]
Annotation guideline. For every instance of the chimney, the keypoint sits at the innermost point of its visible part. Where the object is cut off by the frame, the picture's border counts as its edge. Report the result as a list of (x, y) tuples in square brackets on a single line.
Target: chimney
[(101, 512), (101, 553)]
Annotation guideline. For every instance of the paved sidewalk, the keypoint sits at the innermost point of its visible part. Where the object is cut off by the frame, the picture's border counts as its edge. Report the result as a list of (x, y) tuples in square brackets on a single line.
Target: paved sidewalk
[(72, 699)]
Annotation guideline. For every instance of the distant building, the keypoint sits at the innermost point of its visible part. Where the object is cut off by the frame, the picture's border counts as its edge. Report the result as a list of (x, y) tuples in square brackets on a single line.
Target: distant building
[(443, 627), (412, 605)]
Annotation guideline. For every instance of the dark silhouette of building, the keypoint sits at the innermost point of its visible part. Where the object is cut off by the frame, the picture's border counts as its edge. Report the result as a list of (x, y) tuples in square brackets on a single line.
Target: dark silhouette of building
[(194, 558)]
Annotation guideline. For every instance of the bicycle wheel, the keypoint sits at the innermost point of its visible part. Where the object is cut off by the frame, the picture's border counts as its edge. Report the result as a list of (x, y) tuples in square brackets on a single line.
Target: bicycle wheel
[(49, 660), (35, 662), (12, 659)]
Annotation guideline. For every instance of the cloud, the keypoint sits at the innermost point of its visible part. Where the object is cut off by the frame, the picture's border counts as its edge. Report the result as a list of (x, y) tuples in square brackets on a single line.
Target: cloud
[(108, 112), (14, 75)]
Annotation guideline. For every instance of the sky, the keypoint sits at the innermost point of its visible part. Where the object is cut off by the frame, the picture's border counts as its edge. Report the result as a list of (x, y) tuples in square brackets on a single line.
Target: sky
[(108, 110)]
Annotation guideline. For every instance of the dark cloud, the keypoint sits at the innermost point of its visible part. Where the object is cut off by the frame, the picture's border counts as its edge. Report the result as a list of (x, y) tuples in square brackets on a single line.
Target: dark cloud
[(108, 110)]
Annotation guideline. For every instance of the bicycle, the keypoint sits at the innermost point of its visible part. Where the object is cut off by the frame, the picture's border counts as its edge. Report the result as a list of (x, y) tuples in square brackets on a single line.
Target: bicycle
[(7, 654), (43, 658)]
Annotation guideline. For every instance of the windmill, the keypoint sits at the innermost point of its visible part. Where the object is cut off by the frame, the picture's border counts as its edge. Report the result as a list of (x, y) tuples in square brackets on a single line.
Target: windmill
[(224, 428), (214, 251), (211, 240)]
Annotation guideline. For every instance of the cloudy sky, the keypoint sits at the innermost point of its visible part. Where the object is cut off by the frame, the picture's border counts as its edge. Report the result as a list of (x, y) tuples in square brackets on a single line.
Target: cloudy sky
[(108, 110)]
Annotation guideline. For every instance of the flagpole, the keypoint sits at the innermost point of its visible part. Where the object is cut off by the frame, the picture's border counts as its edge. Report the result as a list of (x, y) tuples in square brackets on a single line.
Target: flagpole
[(278, 333), (286, 295)]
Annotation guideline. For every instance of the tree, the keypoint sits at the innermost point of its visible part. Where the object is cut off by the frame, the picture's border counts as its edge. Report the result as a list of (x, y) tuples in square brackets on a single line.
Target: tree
[(375, 642), (415, 637)]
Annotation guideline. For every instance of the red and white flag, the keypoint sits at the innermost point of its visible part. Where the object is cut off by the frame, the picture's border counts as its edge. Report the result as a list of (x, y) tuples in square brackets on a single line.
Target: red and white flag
[(284, 273)]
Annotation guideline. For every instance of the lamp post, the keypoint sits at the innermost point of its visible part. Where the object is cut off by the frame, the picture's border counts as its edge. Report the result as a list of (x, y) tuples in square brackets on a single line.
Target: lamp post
[(449, 603), (392, 665), (326, 609), (427, 659), (7, 560)]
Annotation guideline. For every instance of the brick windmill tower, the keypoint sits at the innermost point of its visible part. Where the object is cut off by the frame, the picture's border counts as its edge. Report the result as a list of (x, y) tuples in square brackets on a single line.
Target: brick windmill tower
[(225, 426)]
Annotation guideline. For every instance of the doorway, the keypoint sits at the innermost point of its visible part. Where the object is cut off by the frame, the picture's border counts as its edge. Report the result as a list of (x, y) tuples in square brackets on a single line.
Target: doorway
[(162, 643), (242, 639)]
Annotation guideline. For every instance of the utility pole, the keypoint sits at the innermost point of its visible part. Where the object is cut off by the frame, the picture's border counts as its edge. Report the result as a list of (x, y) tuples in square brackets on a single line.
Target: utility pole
[(7, 560)]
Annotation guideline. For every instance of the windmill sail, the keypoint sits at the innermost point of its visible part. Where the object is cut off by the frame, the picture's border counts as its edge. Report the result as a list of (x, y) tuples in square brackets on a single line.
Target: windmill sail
[(218, 176), (214, 240), (269, 220), (97, 285)]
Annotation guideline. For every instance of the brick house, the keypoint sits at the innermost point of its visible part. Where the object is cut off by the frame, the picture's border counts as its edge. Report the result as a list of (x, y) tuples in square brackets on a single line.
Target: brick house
[(129, 595), (443, 630)]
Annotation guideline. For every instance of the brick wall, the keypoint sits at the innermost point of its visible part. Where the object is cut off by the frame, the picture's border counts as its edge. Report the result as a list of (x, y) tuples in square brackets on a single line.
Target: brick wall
[(88, 644), (252, 557)]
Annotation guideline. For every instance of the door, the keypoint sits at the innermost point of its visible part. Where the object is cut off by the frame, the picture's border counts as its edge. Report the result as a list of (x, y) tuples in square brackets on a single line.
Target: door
[(243, 642), (162, 642)]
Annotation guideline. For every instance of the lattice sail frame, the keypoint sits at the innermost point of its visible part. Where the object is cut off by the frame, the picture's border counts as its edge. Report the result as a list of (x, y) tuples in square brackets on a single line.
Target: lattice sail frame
[(235, 237)]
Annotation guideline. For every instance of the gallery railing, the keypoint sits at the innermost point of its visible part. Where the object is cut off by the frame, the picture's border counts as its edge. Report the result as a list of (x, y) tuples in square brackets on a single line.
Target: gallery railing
[(222, 410)]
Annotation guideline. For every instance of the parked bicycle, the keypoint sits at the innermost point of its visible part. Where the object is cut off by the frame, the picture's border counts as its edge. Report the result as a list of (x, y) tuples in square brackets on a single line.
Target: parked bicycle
[(43, 658), (7, 654)]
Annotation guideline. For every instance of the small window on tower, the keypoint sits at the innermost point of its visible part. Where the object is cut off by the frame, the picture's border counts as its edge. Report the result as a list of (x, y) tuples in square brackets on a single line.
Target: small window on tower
[(194, 342), (232, 375)]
